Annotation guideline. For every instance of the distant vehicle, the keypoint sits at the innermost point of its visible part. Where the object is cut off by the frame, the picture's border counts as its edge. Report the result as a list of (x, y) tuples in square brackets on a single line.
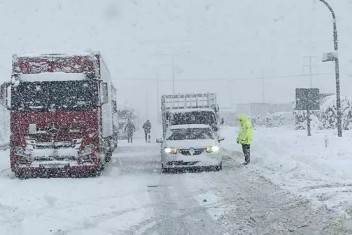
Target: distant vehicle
[(62, 114), (192, 108), (123, 115), (191, 146)]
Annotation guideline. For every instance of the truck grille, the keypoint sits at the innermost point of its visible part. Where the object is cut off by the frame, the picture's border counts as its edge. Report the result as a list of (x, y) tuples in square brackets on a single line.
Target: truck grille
[(55, 145), (53, 158)]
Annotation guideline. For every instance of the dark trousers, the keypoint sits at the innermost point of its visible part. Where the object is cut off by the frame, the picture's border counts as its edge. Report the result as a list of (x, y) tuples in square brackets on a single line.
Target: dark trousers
[(246, 152), (129, 137), (147, 136)]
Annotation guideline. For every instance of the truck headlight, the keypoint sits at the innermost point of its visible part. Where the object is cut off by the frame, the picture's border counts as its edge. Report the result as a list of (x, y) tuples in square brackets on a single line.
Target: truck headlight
[(171, 150), (20, 151), (88, 149), (212, 149)]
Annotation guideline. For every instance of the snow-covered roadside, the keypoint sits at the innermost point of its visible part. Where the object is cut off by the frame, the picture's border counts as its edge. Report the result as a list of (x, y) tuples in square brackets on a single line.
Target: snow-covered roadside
[(133, 197), (72, 206), (130, 197), (317, 167)]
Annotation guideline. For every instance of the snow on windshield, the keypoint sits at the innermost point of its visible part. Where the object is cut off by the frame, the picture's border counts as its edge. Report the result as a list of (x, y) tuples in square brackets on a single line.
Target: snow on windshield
[(57, 76), (190, 134)]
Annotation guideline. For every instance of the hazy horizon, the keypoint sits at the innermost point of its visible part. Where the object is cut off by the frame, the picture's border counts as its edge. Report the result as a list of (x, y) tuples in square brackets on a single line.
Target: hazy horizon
[(245, 51)]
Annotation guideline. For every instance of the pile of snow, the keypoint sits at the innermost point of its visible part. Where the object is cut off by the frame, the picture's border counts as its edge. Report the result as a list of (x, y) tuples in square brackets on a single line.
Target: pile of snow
[(317, 167), (326, 117)]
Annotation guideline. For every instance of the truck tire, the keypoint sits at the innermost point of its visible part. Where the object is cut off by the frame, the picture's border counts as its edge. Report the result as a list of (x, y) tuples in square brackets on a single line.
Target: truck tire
[(95, 173), (108, 156), (102, 165)]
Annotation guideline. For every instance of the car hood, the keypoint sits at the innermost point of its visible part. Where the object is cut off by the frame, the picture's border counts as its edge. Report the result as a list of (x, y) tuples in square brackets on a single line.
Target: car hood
[(186, 144)]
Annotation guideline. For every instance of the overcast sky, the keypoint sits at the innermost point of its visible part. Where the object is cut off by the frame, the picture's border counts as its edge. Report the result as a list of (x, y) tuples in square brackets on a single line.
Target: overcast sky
[(244, 50)]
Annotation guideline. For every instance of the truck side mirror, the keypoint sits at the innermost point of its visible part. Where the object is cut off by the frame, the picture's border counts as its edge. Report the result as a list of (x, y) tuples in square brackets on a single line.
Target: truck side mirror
[(8, 97), (104, 94), (5, 94), (114, 106)]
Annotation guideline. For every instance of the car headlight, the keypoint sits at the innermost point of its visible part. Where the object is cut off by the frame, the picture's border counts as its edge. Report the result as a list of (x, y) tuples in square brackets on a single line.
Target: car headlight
[(212, 149), (171, 150)]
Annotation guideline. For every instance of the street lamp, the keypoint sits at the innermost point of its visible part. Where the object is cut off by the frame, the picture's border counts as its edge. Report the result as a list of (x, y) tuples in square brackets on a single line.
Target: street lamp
[(172, 64), (333, 56)]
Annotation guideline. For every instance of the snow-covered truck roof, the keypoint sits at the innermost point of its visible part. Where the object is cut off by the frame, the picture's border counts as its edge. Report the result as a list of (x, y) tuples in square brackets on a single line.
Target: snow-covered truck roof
[(188, 101), (56, 62), (187, 126), (191, 110), (58, 54)]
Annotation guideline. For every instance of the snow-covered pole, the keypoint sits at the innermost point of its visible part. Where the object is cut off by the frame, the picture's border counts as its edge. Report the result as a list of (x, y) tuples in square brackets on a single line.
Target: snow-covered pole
[(337, 73)]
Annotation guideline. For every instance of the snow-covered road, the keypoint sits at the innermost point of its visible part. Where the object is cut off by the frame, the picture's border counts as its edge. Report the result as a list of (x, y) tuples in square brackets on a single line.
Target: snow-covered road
[(132, 196)]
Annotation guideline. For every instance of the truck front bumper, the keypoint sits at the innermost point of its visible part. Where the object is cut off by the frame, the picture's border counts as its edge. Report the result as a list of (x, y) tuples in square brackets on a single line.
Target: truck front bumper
[(56, 170)]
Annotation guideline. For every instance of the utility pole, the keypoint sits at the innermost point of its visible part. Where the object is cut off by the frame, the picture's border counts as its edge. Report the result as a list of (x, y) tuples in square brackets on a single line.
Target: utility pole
[(146, 103), (173, 65), (335, 58), (310, 66), (157, 96), (263, 89)]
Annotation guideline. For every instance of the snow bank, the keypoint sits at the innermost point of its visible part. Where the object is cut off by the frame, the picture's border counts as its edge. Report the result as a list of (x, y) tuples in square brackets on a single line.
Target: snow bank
[(317, 167)]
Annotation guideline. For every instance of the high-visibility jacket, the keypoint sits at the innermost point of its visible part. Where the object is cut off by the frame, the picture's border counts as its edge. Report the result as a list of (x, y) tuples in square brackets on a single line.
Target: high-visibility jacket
[(246, 130)]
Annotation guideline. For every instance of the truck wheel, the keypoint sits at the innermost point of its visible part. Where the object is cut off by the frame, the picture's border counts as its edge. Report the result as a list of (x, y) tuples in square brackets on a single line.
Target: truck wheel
[(18, 174), (95, 173), (102, 164), (108, 156), (219, 167), (21, 175)]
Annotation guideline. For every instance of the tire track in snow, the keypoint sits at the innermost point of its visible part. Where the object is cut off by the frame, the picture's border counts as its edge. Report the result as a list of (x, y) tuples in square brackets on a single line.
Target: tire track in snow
[(259, 207)]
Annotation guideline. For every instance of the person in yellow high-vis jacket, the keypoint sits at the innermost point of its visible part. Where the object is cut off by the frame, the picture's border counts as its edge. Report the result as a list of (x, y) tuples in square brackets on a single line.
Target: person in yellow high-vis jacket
[(245, 136)]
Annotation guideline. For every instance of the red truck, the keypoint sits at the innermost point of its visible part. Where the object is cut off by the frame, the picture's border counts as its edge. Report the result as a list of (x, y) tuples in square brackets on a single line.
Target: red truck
[(62, 114)]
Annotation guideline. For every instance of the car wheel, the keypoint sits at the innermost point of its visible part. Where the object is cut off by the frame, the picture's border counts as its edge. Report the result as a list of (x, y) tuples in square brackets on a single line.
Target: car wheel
[(163, 169), (219, 167)]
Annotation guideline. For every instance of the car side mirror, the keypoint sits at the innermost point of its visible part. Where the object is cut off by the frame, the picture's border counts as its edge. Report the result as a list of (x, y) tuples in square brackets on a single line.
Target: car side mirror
[(159, 140)]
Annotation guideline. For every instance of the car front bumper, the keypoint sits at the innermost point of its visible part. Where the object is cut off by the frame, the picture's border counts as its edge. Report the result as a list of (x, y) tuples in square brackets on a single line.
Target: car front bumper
[(187, 161)]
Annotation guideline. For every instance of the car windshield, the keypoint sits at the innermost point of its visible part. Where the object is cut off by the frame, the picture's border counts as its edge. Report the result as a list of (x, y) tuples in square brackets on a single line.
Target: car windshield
[(190, 134)]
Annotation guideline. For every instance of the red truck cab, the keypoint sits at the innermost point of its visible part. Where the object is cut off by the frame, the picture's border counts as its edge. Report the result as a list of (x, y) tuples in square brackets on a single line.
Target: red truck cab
[(62, 109)]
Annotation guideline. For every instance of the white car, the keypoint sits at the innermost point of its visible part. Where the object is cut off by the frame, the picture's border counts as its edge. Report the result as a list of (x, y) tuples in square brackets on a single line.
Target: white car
[(190, 146)]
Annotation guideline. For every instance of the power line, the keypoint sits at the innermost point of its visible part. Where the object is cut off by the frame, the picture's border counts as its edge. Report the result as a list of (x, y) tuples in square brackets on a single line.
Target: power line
[(310, 66), (225, 79)]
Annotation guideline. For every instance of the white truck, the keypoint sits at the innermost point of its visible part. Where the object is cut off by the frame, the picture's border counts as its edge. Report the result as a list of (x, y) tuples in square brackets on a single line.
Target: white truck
[(190, 108)]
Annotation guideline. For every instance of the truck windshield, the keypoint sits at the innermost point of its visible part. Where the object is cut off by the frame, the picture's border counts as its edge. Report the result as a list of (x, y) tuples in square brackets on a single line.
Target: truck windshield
[(54, 95), (194, 117)]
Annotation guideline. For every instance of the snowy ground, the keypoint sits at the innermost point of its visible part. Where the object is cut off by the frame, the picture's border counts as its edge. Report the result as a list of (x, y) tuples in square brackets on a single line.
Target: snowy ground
[(294, 185)]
